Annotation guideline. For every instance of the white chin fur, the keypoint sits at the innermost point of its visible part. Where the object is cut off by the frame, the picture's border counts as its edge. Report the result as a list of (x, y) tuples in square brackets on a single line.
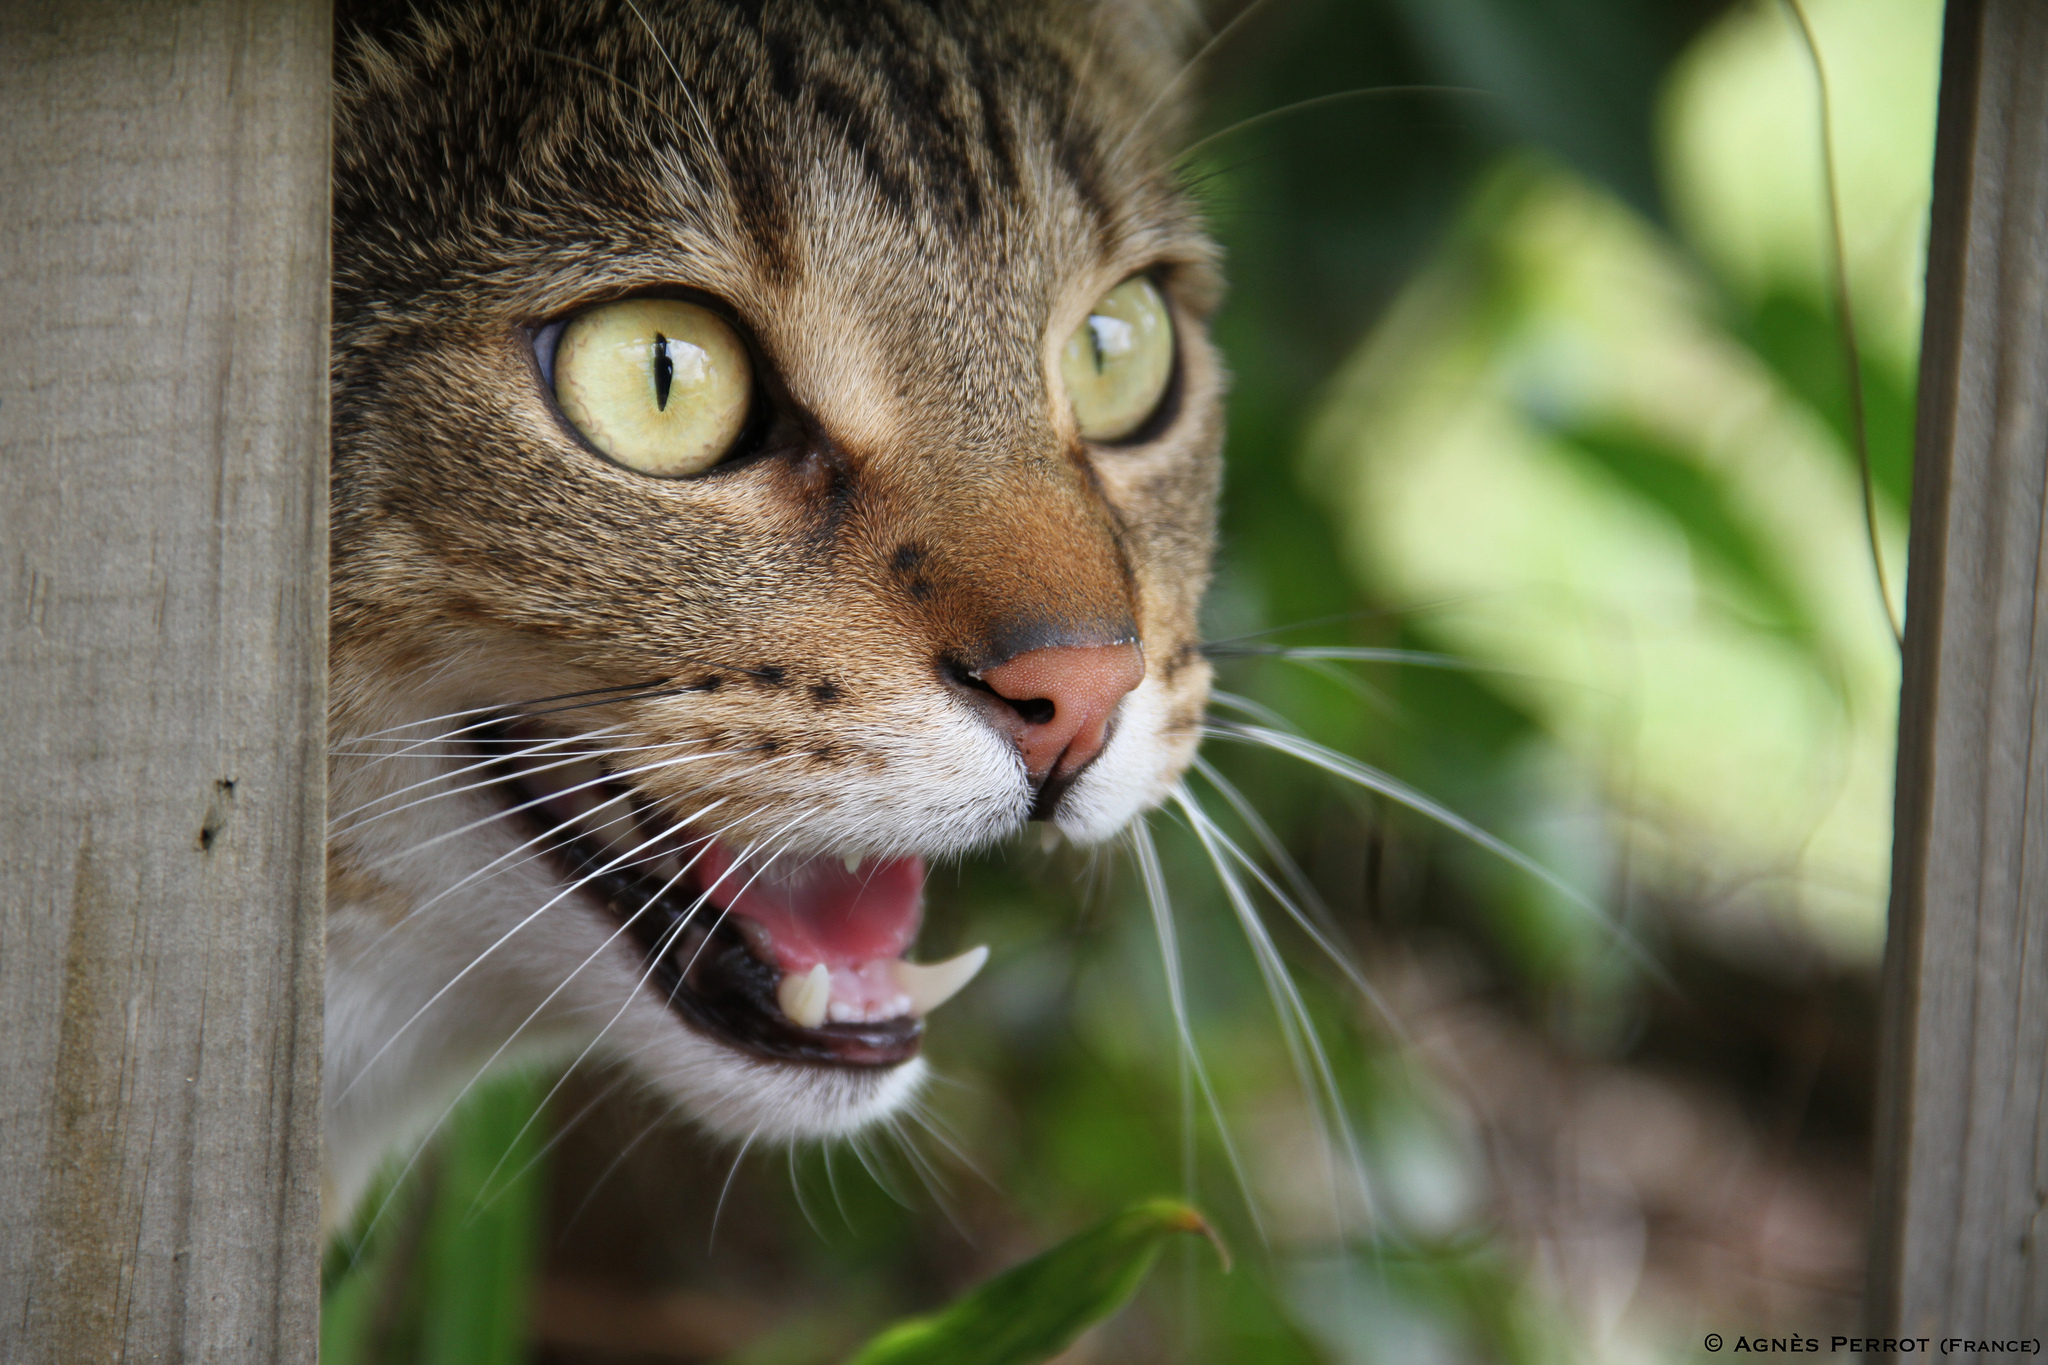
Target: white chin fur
[(1131, 775)]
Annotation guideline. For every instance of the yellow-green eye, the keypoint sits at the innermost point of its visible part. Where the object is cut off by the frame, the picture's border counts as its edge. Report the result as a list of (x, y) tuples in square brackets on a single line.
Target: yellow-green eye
[(1118, 362), (660, 385)]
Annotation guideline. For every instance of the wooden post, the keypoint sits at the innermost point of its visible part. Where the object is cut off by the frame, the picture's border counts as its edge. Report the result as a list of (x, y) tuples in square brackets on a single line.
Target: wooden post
[(163, 304), (1960, 1240)]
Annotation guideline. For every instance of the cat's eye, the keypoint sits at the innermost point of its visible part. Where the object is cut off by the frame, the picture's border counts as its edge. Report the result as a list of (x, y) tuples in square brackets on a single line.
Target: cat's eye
[(660, 385), (1119, 361)]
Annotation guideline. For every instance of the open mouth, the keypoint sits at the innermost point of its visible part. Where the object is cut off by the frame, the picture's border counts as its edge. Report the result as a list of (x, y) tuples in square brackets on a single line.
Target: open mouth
[(792, 958)]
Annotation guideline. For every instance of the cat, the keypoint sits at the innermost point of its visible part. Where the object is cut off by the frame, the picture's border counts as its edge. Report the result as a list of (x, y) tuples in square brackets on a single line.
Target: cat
[(776, 446)]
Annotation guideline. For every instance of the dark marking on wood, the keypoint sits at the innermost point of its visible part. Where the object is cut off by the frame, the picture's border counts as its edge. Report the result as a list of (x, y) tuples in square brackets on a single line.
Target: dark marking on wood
[(220, 808)]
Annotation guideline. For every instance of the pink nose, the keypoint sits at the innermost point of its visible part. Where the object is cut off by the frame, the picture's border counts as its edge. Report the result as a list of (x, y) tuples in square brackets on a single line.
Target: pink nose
[(1063, 698)]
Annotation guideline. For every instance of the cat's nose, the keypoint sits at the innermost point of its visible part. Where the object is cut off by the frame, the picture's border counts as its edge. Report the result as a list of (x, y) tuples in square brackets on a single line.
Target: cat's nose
[(1063, 697)]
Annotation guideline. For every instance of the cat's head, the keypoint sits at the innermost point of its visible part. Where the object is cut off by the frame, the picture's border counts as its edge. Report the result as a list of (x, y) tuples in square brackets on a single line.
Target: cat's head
[(775, 446)]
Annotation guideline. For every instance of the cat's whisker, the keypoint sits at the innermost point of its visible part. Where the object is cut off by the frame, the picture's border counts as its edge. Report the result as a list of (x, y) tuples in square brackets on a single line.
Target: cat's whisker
[(710, 143), (561, 760), (484, 751), (563, 985), (1304, 907), (496, 715), (661, 948), (498, 943), (1297, 1028), (492, 868), (495, 709), (608, 1172), (796, 1188), (524, 806), (1146, 854), (1367, 654), (718, 1209), (1356, 686), (1317, 101), (487, 1196), (499, 779), (942, 1133), (935, 1187), (1245, 706), (1188, 68), (876, 1169), (427, 1137), (829, 1147), (1392, 788)]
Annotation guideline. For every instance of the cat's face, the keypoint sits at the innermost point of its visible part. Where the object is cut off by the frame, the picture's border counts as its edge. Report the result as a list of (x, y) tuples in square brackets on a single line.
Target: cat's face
[(906, 605)]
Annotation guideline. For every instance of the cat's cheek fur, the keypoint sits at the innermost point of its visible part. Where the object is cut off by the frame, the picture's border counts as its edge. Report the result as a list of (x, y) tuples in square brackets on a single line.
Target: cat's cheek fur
[(1135, 771)]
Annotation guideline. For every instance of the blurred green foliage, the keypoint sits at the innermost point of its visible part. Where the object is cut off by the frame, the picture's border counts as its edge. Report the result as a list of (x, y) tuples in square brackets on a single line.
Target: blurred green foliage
[(440, 1270), (1530, 327)]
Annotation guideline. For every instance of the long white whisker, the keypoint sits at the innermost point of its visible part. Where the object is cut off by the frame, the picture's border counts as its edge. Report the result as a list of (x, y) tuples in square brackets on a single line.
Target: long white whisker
[(796, 1187), (1188, 67), (1391, 787), (928, 1175), (539, 1009), (500, 942), (1147, 858), (858, 1142), (1297, 1028), (481, 1203), (524, 806), (1321, 928), (1374, 780), (551, 747), (607, 1173), (561, 761), (486, 871), (832, 1183), (718, 1210), (1247, 707), (653, 960), (1417, 658)]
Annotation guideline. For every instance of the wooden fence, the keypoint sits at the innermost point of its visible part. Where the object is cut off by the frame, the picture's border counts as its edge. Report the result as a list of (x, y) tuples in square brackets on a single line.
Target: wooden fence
[(162, 438), (163, 425), (1962, 1174)]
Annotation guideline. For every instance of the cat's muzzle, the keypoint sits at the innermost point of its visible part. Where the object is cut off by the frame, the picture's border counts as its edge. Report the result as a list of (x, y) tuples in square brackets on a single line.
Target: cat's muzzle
[(791, 959)]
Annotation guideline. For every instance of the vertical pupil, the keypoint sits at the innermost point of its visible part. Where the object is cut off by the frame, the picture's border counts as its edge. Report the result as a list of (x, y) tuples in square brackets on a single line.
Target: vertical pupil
[(664, 372)]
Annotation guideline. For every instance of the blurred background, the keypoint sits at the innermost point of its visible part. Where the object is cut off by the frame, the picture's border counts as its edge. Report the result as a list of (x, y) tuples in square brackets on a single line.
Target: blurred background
[(1544, 527)]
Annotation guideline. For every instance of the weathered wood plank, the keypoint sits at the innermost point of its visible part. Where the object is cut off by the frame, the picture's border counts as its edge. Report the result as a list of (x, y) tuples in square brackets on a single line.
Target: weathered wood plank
[(1958, 1243), (163, 285)]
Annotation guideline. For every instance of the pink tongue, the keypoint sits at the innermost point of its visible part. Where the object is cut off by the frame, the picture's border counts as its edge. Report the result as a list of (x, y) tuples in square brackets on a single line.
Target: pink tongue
[(818, 911)]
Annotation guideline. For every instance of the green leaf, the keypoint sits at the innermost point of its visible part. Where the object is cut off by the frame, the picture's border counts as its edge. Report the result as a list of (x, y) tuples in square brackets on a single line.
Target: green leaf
[(1696, 497), (1796, 337), (441, 1272), (482, 1242), (1033, 1312)]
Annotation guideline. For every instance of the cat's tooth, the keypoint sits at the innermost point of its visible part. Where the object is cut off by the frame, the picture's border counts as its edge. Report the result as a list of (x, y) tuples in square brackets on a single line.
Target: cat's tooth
[(1049, 838), (852, 861), (804, 995), (931, 984)]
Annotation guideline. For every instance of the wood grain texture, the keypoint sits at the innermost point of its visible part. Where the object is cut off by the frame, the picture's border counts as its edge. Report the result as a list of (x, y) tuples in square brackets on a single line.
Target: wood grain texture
[(1960, 1242), (163, 281)]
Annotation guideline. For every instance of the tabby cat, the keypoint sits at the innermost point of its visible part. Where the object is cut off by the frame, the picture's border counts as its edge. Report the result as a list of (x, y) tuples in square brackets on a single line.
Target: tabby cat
[(775, 447)]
